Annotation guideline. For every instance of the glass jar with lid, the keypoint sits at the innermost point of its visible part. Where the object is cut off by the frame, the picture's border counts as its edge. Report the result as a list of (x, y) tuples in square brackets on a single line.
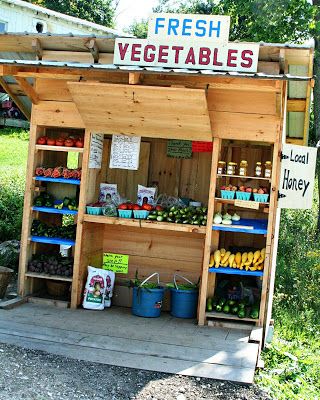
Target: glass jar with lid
[(267, 169), (243, 168), (258, 169), (221, 167), (232, 168)]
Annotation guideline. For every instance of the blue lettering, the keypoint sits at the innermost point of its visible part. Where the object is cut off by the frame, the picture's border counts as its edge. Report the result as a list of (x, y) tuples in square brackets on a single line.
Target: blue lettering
[(212, 28), (185, 27), (172, 26), (199, 28), (158, 25)]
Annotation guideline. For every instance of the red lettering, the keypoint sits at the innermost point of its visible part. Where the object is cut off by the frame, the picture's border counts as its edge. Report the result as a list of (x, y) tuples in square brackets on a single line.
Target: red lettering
[(204, 55), (177, 50), (146, 55), (231, 58), (215, 58), (163, 53), (136, 51), (122, 50), (190, 57), (248, 60)]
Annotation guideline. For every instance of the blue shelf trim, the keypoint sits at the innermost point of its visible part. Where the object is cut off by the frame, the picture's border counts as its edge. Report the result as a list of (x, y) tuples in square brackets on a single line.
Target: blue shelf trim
[(234, 271), (259, 226), (58, 180), (44, 239), (52, 210)]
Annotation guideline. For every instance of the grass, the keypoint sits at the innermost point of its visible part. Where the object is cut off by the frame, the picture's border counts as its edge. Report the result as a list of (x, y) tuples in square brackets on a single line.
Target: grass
[(292, 360)]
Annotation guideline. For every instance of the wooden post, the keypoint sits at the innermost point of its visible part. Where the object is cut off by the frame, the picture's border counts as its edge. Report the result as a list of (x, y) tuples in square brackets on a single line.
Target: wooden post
[(207, 244), (28, 89)]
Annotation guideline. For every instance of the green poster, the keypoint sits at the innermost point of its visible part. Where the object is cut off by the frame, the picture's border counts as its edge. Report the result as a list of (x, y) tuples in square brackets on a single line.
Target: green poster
[(179, 148), (116, 262)]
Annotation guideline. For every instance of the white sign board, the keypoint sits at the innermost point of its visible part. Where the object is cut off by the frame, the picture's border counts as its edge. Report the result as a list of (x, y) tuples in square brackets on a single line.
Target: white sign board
[(177, 28), (297, 176), (231, 57), (96, 149), (125, 152)]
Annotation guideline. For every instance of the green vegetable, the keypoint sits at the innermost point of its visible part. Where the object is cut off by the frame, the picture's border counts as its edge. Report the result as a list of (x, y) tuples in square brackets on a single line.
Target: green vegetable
[(209, 304), (241, 313), (159, 218), (226, 308)]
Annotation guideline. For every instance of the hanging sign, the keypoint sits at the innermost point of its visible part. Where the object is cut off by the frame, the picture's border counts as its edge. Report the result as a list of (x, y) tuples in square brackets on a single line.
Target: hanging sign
[(187, 41), (202, 147), (116, 262), (96, 149), (179, 148), (253, 205), (125, 152), (297, 177)]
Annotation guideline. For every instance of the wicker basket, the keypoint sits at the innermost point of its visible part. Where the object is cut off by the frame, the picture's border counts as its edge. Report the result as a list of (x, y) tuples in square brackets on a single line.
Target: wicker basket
[(5, 276), (57, 289)]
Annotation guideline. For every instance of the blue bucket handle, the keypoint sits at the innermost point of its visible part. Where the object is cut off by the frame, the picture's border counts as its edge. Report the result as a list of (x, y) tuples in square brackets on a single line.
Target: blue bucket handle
[(180, 276), (149, 277)]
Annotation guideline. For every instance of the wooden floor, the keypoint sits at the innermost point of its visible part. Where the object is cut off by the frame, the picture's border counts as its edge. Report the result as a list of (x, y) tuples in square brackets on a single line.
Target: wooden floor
[(116, 337)]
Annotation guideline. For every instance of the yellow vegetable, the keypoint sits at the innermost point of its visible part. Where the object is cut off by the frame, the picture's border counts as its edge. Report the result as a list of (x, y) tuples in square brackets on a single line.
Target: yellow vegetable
[(222, 252), (250, 256), (231, 260), (211, 263), (238, 259), (256, 255), (225, 257), (217, 258)]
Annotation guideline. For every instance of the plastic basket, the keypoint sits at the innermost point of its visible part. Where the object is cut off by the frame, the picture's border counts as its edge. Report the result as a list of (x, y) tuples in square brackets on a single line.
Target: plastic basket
[(140, 214), (94, 210), (183, 302), (125, 213), (243, 195), (227, 194), (147, 302), (261, 198)]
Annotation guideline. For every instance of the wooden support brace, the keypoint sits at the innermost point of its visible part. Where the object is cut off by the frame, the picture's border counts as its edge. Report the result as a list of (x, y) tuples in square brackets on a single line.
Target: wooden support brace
[(134, 78), (36, 47), (15, 98), (28, 89), (94, 50)]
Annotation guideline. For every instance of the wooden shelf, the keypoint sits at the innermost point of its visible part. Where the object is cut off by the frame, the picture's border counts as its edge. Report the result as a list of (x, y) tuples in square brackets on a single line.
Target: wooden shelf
[(168, 226), (244, 177), (59, 148), (227, 201), (48, 276), (245, 225), (50, 240), (221, 315), (58, 180), (52, 210), (234, 271)]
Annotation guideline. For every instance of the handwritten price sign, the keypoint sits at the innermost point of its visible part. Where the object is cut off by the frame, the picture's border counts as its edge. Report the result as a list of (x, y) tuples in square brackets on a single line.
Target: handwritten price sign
[(118, 263)]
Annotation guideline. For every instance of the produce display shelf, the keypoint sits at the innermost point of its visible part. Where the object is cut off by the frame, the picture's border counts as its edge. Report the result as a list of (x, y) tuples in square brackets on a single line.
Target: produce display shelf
[(48, 276), (52, 210), (221, 315), (138, 223), (58, 180), (59, 148), (245, 225), (234, 271), (45, 239), (228, 201), (260, 178)]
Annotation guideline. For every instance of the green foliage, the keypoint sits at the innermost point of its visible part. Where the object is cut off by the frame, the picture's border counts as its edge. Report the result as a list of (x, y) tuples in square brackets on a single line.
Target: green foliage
[(255, 20), (138, 29), (97, 11)]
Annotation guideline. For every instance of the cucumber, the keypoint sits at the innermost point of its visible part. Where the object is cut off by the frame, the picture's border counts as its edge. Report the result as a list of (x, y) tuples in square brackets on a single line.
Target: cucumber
[(159, 218)]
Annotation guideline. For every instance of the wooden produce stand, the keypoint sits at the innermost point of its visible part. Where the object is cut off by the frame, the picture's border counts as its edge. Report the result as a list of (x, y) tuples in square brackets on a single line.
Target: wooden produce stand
[(243, 115)]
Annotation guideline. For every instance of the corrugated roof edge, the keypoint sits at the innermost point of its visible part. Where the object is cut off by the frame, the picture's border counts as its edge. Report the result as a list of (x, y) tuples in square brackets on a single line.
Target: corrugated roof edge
[(154, 70)]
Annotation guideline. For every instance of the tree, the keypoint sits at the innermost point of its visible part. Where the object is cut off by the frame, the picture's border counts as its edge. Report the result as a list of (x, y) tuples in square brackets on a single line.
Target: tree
[(97, 11), (138, 29)]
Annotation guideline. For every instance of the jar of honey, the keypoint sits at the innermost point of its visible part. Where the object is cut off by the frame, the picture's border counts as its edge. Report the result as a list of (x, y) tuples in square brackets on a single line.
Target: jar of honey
[(258, 169), (221, 167), (232, 168), (267, 169), (243, 168)]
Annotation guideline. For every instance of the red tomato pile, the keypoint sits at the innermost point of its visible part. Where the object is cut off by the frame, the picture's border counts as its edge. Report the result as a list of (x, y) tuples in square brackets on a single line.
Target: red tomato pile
[(68, 142), (146, 207)]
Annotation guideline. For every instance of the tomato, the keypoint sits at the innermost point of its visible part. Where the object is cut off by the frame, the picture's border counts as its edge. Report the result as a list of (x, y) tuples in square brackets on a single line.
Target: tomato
[(42, 140), (69, 142), (123, 206), (159, 208), (51, 142), (79, 143), (130, 206), (60, 142), (147, 207), (136, 207)]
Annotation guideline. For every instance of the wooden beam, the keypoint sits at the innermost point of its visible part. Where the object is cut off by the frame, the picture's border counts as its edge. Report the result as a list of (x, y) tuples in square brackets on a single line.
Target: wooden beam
[(94, 49), (36, 47), (134, 78), (295, 105), (28, 89), (16, 99)]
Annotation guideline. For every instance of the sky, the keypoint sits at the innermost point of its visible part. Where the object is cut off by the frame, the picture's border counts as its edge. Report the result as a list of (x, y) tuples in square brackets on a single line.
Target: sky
[(129, 10)]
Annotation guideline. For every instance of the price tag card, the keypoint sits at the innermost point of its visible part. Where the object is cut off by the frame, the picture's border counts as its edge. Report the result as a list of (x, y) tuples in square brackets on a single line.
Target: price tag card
[(116, 262), (202, 147), (179, 148), (254, 205), (125, 152), (96, 149)]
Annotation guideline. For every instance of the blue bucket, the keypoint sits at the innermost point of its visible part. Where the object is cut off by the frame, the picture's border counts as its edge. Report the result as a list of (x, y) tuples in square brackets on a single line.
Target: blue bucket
[(147, 302), (184, 303)]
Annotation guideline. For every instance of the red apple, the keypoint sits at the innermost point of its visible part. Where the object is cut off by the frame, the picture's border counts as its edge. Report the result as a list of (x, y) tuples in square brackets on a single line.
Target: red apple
[(261, 191), (242, 188), (249, 189), (223, 188), (136, 207), (255, 190)]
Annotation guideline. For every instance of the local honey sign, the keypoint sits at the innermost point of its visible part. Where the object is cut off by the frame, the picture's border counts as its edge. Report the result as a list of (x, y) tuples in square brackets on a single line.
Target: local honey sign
[(187, 41)]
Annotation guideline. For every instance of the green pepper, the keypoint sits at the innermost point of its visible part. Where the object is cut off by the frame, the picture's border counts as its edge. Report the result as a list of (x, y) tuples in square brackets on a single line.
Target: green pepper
[(241, 313)]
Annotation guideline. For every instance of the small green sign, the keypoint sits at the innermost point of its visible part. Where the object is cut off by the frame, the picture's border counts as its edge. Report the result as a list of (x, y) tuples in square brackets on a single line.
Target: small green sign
[(179, 148), (116, 262)]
